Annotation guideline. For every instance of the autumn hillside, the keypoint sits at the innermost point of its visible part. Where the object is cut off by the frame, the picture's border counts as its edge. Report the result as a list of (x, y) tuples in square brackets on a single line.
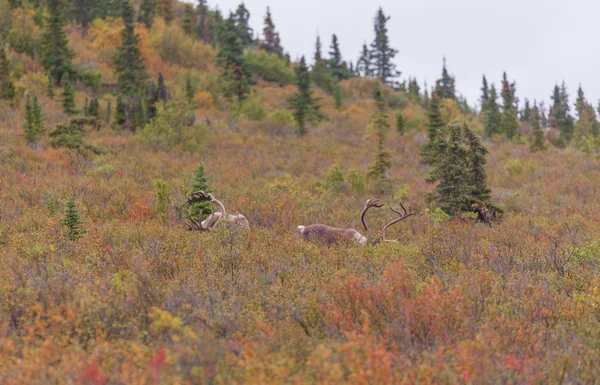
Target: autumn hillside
[(104, 137)]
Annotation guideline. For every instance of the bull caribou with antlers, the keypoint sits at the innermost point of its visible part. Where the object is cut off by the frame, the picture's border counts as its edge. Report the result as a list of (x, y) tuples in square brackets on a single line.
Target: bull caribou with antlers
[(214, 218), (332, 235)]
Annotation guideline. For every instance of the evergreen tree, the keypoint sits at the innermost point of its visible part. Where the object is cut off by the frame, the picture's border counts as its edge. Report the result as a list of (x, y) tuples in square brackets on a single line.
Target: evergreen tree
[(236, 76), (587, 122), (480, 192), (242, 21), (336, 66), (435, 129), (84, 12), (537, 135), (146, 12), (338, 97), (190, 92), (508, 121), (72, 222), (381, 54), (50, 88), (377, 171), (200, 182), (445, 87), (414, 91), (485, 95), (363, 65), (129, 64), (216, 27), (560, 113), (492, 114), (526, 113), (187, 19), (70, 135), (68, 97), (34, 121), (121, 114), (319, 74), (460, 171), (56, 56), (161, 88), (303, 102), (400, 123), (7, 89), (271, 42)]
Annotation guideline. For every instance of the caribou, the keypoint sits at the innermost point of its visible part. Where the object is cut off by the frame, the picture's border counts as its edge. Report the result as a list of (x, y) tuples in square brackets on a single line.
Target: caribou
[(332, 235), (214, 218)]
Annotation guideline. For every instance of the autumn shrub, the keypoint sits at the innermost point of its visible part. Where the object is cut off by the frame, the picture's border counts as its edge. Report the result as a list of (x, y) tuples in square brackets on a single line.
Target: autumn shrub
[(172, 45), (173, 125), (269, 67), (25, 36), (251, 109)]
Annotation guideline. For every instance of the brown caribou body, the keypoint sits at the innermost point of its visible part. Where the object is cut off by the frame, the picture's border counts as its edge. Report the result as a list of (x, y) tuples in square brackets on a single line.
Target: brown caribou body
[(332, 235)]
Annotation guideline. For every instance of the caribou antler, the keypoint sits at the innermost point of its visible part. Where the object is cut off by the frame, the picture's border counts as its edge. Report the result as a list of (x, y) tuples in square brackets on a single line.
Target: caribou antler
[(401, 216), (211, 221), (370, 203), (199, 196)]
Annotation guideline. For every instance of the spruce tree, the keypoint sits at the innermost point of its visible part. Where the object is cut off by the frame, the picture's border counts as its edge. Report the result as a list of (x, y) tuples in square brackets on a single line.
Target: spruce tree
[(377, 171), (121, 111), (7, 88), (435, 129), (72, 222), (271, 42), (480, 193), (68, 97), (445, 87), (426, 99), (235, 73), (400, 123), (508, 122), (50, 88), (56, 56), (146, 12), (336, 66), (242, 23), (200, 182), (363, 65), (560, 113), (537, 135), (187, 19), (319, 73), (303, 103), (492, 116), (70, 135), (526, 113), (129, 64), (382, 54), (84, 12), (34, 121), (338, 97), (460, 173), (414, 91), (189, 91), (485, 95)]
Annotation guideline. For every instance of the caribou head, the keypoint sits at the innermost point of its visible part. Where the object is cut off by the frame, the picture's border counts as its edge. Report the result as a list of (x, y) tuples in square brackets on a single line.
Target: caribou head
[(214, 218)]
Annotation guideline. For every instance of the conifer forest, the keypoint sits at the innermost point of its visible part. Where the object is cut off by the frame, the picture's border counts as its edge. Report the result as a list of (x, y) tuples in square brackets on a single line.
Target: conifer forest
[(185, 201)]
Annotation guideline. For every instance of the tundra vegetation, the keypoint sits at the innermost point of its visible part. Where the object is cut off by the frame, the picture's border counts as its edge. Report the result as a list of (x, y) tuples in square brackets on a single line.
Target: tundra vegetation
[(495, 280)]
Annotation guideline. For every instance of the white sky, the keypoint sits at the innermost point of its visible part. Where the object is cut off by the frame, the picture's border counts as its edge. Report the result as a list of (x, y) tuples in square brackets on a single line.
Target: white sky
[(537, 42)]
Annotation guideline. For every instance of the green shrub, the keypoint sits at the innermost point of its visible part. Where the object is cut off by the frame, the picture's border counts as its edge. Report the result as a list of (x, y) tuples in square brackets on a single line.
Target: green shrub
[(335, 178), (161, 199), (269, 67), (173, 125), (437, 215), (357, 181), (251, 109), (281, 117)]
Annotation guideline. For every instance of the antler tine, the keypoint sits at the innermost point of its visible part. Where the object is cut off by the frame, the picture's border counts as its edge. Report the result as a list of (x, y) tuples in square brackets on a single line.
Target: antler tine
[(373, 202), (402, 216)]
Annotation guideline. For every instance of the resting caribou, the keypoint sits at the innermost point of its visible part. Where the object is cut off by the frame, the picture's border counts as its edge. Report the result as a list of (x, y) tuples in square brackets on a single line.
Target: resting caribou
[(211, 221), (331, 235)]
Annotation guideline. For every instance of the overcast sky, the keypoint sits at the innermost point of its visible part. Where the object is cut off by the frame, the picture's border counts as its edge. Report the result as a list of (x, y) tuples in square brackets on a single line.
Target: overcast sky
[(537, 42)]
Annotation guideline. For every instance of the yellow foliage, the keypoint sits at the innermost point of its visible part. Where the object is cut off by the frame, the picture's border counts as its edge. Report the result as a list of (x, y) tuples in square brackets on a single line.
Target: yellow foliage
[(203, 100), (163, 321), (450, 110), (34, 83)]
